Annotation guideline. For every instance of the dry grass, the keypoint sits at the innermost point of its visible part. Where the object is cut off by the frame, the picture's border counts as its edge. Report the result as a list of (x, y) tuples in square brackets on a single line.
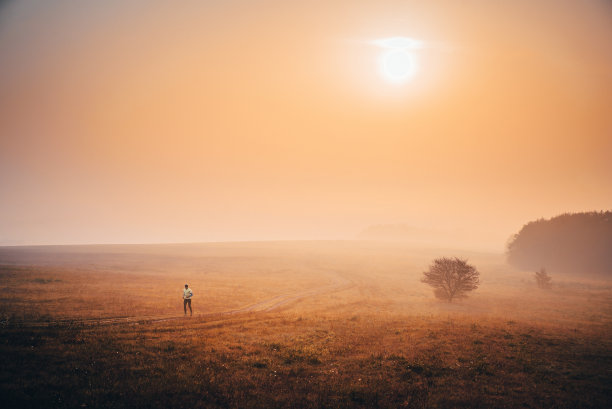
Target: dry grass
[(382, 341)]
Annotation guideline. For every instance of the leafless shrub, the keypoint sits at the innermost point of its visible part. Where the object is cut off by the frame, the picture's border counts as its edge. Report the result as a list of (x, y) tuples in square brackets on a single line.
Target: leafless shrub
[(451, 278)]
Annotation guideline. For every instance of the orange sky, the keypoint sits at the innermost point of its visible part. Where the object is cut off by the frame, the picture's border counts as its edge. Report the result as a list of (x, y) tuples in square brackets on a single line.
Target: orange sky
[(146, 121)]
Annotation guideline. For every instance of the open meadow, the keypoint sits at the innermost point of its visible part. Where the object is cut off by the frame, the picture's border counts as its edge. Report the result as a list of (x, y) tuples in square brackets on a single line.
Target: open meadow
[(329, 324)]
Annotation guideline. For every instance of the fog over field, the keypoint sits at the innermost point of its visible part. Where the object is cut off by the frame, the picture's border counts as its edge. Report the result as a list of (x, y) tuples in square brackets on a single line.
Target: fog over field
[(305, 204), (231, 275), (293, 324)]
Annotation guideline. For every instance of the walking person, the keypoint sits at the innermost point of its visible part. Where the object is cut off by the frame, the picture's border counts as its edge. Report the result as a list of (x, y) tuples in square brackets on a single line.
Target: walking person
[(187, 294)]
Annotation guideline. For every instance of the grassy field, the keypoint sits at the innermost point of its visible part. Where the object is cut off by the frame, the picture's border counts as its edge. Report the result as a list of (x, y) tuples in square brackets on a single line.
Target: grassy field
[(292, 325)]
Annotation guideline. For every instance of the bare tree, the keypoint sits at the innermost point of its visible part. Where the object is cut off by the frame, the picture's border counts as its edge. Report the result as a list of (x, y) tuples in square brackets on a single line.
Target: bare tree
[(543, 279), (451, 278)]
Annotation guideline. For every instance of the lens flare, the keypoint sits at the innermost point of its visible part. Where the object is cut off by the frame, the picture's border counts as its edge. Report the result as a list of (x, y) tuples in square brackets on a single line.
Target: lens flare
[(403, 43)]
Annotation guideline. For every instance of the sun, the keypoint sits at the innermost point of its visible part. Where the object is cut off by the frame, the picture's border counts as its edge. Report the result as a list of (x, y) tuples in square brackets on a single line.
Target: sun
[(398, 65), (398, 62)]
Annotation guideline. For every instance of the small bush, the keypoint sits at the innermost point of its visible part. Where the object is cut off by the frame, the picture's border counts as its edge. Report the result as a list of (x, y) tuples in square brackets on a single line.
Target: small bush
[(451, 278), (543, 279)]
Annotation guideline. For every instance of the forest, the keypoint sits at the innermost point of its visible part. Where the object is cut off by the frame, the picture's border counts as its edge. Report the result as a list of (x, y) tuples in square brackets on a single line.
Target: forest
[(574, 243)]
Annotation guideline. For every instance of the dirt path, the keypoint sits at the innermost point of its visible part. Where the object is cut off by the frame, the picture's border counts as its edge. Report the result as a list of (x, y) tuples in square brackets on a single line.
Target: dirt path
[(339, 283)]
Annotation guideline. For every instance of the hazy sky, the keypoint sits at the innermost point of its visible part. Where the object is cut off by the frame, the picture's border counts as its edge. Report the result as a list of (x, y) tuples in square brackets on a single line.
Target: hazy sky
[(149, 121)]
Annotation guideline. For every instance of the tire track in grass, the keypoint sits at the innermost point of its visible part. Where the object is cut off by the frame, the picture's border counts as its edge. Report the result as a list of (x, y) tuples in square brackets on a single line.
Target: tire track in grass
[(339, 283)]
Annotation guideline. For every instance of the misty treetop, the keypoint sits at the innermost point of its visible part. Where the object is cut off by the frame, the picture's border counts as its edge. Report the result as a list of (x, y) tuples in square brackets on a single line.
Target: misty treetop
[(578, 243)]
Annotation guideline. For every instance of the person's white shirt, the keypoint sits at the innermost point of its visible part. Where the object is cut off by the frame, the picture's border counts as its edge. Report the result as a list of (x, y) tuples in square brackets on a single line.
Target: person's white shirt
[(187, 293)]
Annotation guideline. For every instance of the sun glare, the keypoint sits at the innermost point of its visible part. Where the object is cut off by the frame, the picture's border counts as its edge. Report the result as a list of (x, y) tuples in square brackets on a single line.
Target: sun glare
[(398, 62)]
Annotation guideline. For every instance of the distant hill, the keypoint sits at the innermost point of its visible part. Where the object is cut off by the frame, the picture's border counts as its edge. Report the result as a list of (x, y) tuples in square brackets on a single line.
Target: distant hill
[(578, 243), (399, 232)]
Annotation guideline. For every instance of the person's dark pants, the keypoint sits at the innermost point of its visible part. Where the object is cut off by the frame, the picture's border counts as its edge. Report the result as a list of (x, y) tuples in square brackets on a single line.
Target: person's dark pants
[(185, 304)]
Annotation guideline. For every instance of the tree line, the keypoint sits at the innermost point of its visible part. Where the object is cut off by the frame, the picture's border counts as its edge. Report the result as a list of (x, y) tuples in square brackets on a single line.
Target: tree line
[(579, 243)]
